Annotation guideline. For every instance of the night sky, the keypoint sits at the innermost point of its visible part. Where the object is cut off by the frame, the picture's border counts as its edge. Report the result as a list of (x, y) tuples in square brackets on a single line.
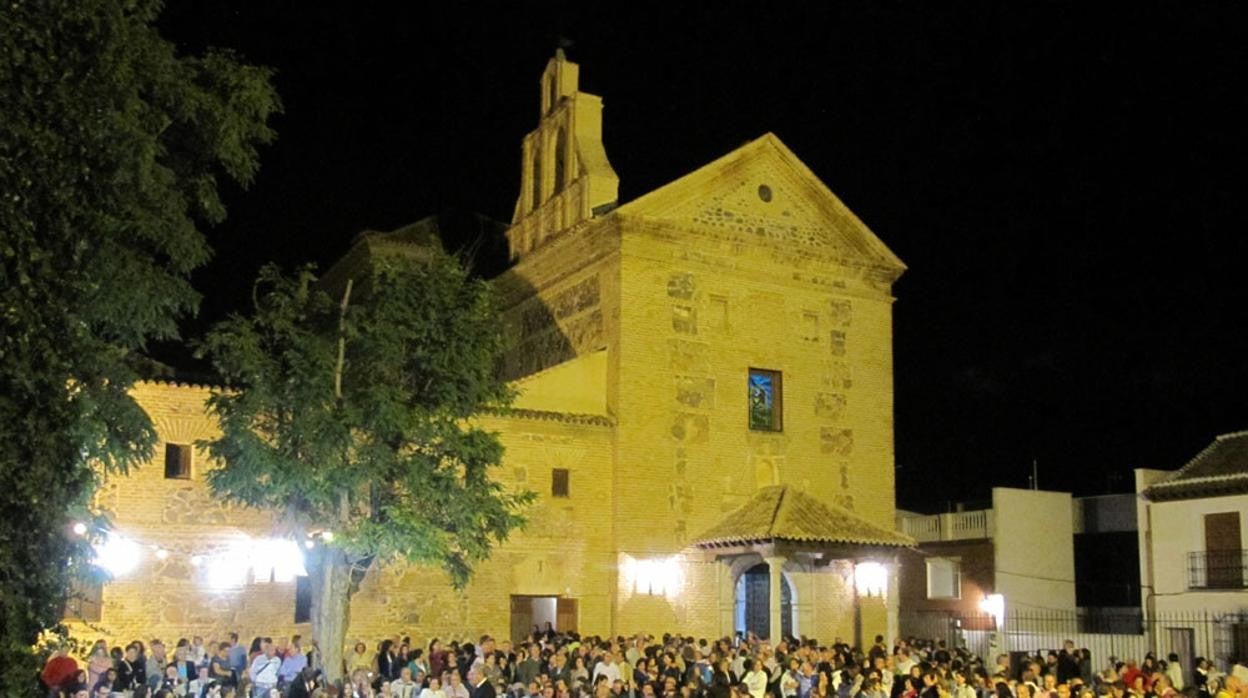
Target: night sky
[(1066, 188)]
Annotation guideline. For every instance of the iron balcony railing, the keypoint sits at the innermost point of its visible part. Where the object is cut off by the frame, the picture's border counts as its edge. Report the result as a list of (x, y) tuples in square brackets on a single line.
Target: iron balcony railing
[(1217, 569)]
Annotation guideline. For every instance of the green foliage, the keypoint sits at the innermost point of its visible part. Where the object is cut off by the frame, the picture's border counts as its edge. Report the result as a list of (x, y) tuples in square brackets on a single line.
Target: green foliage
[(375, 443), (111, 146)]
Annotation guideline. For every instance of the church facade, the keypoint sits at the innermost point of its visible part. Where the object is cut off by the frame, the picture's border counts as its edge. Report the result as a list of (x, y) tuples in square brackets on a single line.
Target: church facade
[(705, 411)]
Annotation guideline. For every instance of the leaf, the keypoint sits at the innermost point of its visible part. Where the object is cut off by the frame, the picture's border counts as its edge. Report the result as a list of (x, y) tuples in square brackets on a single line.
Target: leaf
[(111, 149)]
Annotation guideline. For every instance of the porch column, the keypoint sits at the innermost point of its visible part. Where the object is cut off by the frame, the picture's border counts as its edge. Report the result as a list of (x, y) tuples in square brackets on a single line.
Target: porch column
[(893, 602), (775, 565), (727, 598), (853, 587)]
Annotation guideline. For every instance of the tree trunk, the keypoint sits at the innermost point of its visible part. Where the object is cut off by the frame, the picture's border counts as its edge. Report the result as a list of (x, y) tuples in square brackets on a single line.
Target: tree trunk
[(331, 609), (331, 597)]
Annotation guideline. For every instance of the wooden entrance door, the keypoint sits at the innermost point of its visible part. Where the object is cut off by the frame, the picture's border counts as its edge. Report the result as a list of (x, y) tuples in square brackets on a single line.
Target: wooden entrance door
[(565, 615), (1224, 562), (521, 618)]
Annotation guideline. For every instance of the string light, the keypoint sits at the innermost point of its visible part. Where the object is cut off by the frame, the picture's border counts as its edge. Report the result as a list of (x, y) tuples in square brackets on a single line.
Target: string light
[(243, 558), (118, 554)]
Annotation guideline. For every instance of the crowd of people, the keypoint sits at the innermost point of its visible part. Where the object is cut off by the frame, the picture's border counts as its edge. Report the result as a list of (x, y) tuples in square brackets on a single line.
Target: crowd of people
[(548, 664)]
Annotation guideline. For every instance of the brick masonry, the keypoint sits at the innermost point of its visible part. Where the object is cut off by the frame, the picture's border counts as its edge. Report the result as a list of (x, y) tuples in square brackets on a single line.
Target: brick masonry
[(746, 263)]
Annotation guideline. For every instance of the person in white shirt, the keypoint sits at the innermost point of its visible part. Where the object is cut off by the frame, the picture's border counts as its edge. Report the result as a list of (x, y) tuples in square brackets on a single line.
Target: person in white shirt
[(755, 679), (606, 667), (904, 662), (883, 666), (456, 688), (434, 690), (198, 654), (195, 687), (263, 671), (1174, 672), (789, 682), (404, 686), (632, 654), (767, 659), (963, 687)]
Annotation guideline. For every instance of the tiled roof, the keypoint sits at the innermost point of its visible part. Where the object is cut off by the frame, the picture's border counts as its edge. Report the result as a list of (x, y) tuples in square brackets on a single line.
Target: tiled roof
[(784, 514), (552, 416), (179, 383), (1221, 468)]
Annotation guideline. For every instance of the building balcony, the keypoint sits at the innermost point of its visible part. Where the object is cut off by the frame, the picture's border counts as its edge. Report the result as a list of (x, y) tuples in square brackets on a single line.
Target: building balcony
[(962, 525), (1217, 569)]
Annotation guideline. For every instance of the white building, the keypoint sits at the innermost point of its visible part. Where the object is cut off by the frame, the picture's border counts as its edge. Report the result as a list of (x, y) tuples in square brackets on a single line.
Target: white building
[(965, 556), (1193, 563)]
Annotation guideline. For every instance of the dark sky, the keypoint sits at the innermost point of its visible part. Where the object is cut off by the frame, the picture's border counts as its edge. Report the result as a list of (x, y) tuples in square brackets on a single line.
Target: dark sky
[(1067, 188)]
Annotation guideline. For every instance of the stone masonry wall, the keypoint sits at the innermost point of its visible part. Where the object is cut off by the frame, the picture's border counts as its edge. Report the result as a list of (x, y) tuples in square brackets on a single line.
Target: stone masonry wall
[(564, 551), (744, 268), (706, 296)]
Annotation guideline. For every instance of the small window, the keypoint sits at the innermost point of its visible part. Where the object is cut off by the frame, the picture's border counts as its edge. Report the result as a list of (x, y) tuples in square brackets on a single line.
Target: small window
[(810, 326), (303, 599), (717, 317), (85, 600), (944, 578), (559, 482), (766, 401), (177, 461)]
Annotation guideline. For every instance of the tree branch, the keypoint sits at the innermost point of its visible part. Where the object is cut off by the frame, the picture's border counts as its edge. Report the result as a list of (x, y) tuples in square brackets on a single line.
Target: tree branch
[(342, 340)]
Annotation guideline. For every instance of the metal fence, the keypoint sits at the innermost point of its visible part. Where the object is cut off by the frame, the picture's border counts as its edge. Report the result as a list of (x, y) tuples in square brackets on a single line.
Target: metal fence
[(1107, 634)]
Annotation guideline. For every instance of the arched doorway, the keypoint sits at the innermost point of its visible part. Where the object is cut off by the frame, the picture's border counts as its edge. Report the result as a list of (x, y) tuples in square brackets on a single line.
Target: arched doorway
[(753, 602)]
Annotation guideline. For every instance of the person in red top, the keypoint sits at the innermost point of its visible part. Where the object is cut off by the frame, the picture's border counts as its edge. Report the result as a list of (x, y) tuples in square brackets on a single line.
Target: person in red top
[(60, 670), (1130, 672)]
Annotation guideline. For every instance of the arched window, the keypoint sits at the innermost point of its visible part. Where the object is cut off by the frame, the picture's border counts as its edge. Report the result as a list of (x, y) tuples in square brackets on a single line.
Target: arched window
[(561, 156), (537, 174)]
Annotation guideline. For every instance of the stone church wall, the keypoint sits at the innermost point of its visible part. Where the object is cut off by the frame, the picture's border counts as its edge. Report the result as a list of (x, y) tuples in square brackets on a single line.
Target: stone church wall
[(696, 315), (564, 551), (747, 267)]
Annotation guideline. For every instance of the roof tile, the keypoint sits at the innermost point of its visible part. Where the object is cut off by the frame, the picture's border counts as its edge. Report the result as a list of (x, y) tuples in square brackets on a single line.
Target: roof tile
[(1221, 468), (782, 513)]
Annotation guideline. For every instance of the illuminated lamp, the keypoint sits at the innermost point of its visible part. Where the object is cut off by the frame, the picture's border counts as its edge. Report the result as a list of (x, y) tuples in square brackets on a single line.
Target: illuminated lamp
[(118, 555), (658, 577), (870, 579), (994, 605)]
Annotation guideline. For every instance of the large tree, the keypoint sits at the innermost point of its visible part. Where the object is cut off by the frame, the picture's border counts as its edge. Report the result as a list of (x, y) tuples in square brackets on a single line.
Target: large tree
[(350, 410), (111, 147)]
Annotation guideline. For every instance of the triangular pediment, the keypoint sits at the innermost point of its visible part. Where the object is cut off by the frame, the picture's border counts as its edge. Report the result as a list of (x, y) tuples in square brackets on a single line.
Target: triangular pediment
[(763, 191)]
